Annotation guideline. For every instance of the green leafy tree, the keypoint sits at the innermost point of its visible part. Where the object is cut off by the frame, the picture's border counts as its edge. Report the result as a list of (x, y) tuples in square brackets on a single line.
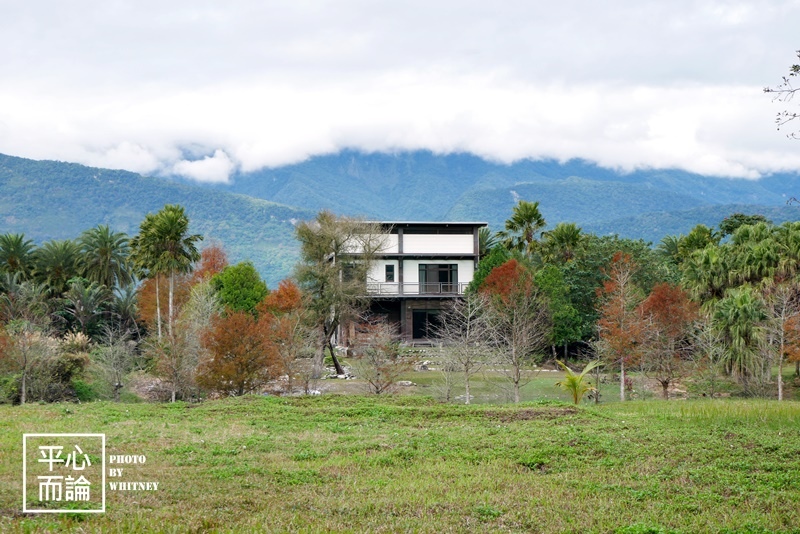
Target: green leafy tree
[(240, 287), (566, 320), (496, 257), (732, 223)]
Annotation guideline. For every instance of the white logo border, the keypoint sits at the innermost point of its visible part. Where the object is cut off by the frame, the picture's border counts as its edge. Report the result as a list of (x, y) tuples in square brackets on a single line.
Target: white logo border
[(25, 508)]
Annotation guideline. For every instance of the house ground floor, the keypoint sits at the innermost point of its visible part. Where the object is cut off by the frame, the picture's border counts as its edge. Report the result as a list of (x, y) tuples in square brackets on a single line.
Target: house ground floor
[(413, 320)]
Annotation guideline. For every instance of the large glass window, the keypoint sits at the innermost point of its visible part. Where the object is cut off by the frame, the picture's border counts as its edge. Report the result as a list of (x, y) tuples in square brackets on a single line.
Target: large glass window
[(438, 278)]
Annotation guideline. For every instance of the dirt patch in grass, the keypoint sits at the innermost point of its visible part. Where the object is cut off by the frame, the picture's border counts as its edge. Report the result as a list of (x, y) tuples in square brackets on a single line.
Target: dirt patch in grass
[(530, 414)]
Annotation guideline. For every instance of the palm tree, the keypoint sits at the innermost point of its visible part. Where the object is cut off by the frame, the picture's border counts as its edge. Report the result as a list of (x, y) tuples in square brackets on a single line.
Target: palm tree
[(105, 257), (84, 302), (521, 229), (55, 263), (574, 383), (164, 246), (145, 256), (705, 273), (15, 253), (740, 318), (669, 248), (486, 241), (563, 243)]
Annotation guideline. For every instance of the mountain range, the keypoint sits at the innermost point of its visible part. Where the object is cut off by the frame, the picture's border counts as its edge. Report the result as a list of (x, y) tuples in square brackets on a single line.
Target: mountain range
[(254, 214)]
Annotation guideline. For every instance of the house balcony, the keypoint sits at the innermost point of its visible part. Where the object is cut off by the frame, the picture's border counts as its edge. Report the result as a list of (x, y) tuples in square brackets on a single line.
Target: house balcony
[(429, 289)]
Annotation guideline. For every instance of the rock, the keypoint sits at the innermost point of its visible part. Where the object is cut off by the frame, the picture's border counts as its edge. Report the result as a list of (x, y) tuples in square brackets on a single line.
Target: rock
[(405, 383)]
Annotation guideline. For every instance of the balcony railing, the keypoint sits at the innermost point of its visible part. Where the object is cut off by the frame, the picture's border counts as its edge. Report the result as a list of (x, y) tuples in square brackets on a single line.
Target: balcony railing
[(429, 288)]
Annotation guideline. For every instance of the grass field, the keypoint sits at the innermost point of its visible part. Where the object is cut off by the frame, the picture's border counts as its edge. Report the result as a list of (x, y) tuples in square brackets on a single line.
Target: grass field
[(409, 463)]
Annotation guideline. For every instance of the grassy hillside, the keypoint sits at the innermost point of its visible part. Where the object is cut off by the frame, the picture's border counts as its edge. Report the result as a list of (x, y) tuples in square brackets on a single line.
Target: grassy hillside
[(54, 200), (409, 464)]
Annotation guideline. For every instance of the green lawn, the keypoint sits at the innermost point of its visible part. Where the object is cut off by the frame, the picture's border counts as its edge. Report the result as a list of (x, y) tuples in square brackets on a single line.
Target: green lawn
[(408, 463)]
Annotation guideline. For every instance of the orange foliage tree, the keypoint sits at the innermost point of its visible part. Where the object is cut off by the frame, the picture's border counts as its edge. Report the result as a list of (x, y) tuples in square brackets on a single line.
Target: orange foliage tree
[(242, 355), (213, 260), (519, 319), (669, 318), (286, 299), (620, 325), (289, 332)]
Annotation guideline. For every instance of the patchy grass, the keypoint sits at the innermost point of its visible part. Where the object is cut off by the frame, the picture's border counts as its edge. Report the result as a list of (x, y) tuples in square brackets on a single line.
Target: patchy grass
[(406, 463)]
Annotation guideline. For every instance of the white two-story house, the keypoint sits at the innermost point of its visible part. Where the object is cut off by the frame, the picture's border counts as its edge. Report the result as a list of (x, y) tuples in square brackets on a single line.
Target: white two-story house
[(423, 266)]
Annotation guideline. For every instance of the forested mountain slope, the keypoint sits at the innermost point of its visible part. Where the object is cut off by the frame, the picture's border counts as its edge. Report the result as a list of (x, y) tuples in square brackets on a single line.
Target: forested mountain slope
[(54, 200)]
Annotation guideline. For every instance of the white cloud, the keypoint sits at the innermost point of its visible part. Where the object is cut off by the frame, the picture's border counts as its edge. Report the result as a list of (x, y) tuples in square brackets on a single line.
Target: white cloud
[(159, 87), (214, 169)]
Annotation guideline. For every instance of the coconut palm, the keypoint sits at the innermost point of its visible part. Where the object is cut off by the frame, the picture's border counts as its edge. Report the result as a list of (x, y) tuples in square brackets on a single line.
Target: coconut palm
[(15, 254), (521, 229), (574, 383), (105, 257)]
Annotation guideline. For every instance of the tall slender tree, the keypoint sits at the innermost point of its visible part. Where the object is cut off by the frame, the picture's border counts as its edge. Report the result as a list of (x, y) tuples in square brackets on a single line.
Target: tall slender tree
[(336, 254), (620, 326), (165, 246)]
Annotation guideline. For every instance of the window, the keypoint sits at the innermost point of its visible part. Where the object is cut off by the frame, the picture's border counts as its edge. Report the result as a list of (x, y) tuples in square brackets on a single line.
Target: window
[(390, 273), (438, 278)]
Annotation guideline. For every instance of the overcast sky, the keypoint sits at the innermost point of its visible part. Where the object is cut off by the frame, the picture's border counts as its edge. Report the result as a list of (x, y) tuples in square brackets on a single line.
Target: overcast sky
[(202, 88)]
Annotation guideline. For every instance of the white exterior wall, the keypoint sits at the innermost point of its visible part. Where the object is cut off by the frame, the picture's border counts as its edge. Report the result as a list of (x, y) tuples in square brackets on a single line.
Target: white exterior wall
[(376, 278), (438, 244), (390, 245)]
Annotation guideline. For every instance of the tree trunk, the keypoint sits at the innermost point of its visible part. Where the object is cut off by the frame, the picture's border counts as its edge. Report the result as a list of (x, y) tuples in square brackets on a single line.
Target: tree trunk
[(665, 389), (158, 306), (171, 305), (23, 387), (780, 371), (336, 364), (466, 386), (622, 380), (319, 356)]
